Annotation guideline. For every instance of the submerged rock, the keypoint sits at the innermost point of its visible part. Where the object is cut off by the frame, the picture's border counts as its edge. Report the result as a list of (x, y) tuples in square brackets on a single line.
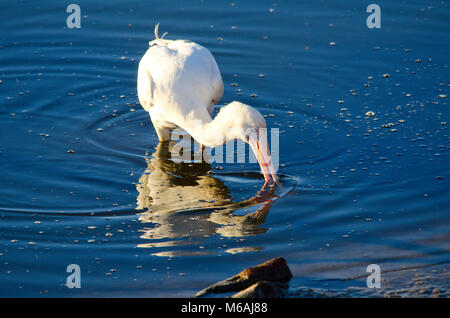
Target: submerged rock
[(263, 289), (274, 270)]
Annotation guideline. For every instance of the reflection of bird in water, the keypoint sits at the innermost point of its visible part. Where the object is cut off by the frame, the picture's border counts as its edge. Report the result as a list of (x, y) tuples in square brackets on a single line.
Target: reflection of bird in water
[(178, 84), (168, 186), (186, 200)]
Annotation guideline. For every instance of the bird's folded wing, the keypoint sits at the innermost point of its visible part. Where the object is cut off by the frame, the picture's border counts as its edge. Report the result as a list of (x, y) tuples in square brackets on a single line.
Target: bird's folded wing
[(145, 86), (217, 83)]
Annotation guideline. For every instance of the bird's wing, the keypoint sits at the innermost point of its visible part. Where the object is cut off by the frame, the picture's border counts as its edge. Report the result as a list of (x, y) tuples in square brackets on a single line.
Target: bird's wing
[(217, 83), (145, 85), (176, 78)]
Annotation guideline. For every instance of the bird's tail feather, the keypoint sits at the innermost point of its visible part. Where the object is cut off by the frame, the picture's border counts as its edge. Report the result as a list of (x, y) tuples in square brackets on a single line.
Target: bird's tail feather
[(157, 38)]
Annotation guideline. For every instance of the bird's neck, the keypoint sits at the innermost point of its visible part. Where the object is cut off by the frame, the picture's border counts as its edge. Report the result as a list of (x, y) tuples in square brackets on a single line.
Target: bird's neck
[(207, 131)]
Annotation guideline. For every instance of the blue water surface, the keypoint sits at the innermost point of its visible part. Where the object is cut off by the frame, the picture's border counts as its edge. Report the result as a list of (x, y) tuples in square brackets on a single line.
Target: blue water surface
[(363, 117)]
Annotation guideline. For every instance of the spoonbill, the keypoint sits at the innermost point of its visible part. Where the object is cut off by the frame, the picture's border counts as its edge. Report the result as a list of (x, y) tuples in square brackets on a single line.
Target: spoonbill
[(179, 82)]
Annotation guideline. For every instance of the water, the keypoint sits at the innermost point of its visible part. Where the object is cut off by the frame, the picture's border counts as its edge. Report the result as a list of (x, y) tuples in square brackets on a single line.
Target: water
[(77, 152)]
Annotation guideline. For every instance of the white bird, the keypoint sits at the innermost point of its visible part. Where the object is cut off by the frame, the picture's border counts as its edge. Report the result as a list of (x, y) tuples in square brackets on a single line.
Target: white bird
[(179, 82)]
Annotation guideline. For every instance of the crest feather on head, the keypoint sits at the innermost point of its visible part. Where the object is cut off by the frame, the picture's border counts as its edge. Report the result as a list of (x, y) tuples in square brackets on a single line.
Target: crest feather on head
[(157, 38)]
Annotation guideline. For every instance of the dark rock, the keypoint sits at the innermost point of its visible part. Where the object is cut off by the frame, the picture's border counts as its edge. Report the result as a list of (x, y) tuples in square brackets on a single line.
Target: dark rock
[(274, 270), (263, 289)]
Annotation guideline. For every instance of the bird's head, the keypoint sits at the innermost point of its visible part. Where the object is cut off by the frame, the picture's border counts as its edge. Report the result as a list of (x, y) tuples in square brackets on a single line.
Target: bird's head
[(248, 124)]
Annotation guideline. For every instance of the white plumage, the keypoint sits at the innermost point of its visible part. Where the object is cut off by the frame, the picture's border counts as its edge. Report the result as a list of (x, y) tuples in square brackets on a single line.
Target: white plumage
[(178, 84)]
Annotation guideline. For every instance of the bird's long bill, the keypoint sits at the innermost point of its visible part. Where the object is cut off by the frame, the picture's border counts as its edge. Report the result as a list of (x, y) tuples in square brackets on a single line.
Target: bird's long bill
[(262, 154)]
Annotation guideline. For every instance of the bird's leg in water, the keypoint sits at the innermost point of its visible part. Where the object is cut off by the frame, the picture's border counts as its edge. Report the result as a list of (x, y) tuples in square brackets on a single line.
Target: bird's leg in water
[(198, 153), (162, 131), (202, 149), (201, 153)]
